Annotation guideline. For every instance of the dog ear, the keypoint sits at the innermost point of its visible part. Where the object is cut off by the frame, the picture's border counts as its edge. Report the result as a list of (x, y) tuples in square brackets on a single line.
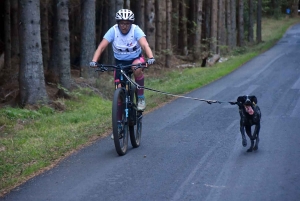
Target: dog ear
[(253, 99), (241, 99)]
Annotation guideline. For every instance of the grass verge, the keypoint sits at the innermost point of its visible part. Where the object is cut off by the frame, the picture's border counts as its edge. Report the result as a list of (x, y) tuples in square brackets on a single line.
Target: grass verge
[(33, 140)]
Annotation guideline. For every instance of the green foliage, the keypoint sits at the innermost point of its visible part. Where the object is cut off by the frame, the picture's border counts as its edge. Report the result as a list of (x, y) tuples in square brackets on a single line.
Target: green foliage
[(167, 52), (18, 113), (266, 6), (275, 9), (46, 110), (239, 51)]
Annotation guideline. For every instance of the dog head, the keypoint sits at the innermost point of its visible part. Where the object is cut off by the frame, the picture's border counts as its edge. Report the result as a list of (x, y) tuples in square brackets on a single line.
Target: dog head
[(248, 102)]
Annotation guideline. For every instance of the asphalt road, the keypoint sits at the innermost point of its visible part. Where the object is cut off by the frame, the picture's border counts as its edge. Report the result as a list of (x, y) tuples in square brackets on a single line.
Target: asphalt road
[(192, 150)]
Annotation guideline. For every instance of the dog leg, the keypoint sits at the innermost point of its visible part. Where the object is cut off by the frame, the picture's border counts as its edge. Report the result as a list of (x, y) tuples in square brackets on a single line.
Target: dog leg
[(256, 144), (251, 147), (248, 131), (242, 123), (256, 134), (244, 140)]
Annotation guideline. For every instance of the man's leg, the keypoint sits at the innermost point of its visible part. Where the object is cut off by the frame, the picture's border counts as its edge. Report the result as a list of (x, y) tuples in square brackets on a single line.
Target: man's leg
[(139, 79)]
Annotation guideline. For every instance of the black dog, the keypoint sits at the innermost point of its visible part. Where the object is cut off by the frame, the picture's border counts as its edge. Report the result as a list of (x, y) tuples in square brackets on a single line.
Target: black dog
[(250, 115)]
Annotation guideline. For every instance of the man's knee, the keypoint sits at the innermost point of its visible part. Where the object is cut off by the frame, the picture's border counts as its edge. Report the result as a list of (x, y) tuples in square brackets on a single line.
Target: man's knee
[(138, 72)]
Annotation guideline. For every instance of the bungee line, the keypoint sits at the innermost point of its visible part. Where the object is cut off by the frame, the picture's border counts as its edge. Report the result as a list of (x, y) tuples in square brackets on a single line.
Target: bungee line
[(174, 95)]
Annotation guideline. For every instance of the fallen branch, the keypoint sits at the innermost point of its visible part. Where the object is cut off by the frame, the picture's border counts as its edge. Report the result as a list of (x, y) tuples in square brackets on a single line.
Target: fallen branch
[(214, 59)]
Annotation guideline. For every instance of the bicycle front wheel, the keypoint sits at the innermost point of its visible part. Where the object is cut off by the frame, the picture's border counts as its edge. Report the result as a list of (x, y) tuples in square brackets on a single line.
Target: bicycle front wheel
[(120, 126), (136, 130)]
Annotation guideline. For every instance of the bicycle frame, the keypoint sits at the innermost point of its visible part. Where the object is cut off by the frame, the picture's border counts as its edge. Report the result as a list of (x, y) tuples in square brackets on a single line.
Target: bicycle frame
[(129, 89)]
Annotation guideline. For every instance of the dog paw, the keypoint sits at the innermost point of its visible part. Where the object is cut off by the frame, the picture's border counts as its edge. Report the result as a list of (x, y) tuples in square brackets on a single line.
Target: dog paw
[(249, 150), (255, 148), (244, 142)]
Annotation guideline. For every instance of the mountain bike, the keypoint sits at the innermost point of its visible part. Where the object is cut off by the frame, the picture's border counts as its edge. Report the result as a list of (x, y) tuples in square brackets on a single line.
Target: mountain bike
[(124, 105)]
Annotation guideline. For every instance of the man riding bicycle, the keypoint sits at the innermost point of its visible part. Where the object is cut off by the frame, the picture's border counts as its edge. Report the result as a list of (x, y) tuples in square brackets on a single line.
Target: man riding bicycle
[(128, 41)]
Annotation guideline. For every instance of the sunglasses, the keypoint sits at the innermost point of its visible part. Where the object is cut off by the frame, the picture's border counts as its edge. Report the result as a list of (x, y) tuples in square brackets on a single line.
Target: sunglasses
[(127, 24)]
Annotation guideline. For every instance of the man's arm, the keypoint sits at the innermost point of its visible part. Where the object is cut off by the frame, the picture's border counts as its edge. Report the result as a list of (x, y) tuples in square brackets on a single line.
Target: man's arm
[(101, 47), (145, 46)]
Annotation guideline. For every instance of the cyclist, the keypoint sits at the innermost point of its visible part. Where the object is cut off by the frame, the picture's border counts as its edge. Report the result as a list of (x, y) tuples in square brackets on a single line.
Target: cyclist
[(128, 40)]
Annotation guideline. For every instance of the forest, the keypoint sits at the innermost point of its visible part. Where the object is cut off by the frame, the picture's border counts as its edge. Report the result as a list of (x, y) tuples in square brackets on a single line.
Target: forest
[(43, 42)]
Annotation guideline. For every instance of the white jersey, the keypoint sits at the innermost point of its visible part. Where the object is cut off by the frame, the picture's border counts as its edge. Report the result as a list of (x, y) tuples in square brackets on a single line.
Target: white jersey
[(125, 47), (125, 44)]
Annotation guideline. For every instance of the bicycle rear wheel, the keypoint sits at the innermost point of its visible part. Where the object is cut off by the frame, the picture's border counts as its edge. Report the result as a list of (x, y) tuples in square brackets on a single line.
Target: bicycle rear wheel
[(136, 130), (120, 126)]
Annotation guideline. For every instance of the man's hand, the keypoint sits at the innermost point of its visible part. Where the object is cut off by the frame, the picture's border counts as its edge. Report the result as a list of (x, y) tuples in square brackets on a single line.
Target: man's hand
[(151, 61), (93, 64)]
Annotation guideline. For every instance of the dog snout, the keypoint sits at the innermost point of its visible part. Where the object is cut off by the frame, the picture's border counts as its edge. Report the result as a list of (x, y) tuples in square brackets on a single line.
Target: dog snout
[(247, 102)]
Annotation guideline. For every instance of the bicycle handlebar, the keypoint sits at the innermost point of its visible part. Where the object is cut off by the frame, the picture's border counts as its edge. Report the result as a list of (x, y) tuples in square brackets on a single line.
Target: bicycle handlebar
[(104, 67)]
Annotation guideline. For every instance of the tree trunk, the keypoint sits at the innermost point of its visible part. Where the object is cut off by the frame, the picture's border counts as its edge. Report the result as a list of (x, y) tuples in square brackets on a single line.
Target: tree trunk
[(175, 24), (88, 36), (168, 34), (241, 23), (221, 28), (233, 22), (75, 34), (191, 13), (99, 23), (119, 6), (114, 6), (64, 43), (276, 7), (7, 52), (106, 18), (150, 24), (250, 28), (45, 33), (294, 8), (140, 14), (258, 22), (31, 77), (14, 29), (160, 42), (198, 36), (206, 44), (127, 4), (161, 28), (214, 26), (229, 25), (59, 68), (52, 71), (183, 20)]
